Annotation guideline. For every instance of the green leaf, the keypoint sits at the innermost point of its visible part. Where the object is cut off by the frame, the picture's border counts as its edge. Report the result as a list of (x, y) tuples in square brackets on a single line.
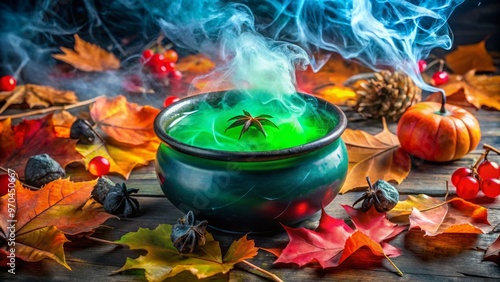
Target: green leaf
[(163, 260)]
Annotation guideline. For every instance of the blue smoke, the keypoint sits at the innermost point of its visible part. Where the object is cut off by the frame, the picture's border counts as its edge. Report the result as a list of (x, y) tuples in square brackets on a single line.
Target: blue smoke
[(259, 42), (382, 34)]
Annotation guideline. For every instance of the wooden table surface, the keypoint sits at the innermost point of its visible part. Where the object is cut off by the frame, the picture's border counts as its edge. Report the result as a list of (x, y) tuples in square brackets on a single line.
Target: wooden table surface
[(441, 258)]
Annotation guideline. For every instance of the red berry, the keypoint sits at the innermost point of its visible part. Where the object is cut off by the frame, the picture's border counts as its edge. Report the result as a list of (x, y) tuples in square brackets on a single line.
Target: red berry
[(488, 169), (4, 184), (7, 83), (491, 187), (147, 55), (176, 75), (458, 174), (99, 166), (440, 78), (171, 56), (160, 71), (467, 187), (170, 66), (422, 65), (156, 60), (170, 100)]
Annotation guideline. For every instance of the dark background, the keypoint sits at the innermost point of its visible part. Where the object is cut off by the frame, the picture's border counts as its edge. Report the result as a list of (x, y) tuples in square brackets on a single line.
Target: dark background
[(129, 24)]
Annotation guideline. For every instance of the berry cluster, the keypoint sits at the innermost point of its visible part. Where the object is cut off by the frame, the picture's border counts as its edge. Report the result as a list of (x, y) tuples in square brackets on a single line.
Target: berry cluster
[(7, 83), (162, 64), (438, 78), (484, 176)]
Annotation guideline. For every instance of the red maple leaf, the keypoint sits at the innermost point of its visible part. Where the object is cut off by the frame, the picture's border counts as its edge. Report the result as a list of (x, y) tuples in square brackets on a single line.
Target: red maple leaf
[(333, 241), (33, 137)]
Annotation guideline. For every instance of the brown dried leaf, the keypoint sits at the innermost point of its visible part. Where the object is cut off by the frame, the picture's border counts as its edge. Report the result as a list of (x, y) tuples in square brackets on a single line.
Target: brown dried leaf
[(377, 156), (458, 99), (36, 96), (468, 57), (88, 57), (480, 90)]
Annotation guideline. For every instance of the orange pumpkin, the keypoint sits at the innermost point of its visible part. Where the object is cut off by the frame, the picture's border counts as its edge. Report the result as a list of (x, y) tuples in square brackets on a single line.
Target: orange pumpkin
[(438, 132)]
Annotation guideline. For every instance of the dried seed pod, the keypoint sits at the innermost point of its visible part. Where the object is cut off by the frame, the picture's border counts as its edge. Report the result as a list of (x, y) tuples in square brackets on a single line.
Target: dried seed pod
[(82, 130), (42, 169), (382, 195), (101, 189), (119, 201), (186, 236)]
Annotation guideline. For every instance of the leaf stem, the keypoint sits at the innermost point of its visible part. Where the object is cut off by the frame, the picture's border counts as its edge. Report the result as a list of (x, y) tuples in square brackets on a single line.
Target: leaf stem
[(269, 274), (400, 273), (52, 109), (104, 241)]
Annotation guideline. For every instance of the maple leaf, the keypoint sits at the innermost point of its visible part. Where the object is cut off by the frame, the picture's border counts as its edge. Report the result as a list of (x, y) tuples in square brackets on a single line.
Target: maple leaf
[(333, 241), (479, 90), (401, 212), (493, 251), (33, 137), (88, 57), (468, 57), (124, 122), (44, 216), (454, 216), (63, 121), (378, 156), (163, 260), (122, 159), (36, 96)]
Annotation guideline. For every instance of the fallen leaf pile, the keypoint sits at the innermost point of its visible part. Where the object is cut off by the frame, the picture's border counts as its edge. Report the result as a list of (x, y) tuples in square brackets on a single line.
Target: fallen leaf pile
[(435, 217), (88, 57), (377, 156), (163, 260), (44, 218), (129, 138), (33, 137), (333, 241), (36, 96)]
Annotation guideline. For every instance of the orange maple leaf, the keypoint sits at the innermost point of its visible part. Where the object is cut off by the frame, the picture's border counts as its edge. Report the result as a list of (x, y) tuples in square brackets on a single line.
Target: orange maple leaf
[(468, 57), (328, 83), (63, 121), (124, 122), (43, 217), (377, 156), (33, 137), (456, 216), (88, 57)]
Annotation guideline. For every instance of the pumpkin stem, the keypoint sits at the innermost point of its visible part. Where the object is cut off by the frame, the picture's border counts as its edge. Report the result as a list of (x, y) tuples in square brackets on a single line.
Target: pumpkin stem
[(443, 102)]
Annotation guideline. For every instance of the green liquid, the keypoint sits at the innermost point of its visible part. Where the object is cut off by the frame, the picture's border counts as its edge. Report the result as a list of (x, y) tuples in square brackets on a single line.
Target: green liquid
[(299, 122)]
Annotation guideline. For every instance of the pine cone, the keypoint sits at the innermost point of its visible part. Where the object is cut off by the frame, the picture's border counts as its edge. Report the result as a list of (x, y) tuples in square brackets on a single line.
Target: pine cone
[(383, 94)]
